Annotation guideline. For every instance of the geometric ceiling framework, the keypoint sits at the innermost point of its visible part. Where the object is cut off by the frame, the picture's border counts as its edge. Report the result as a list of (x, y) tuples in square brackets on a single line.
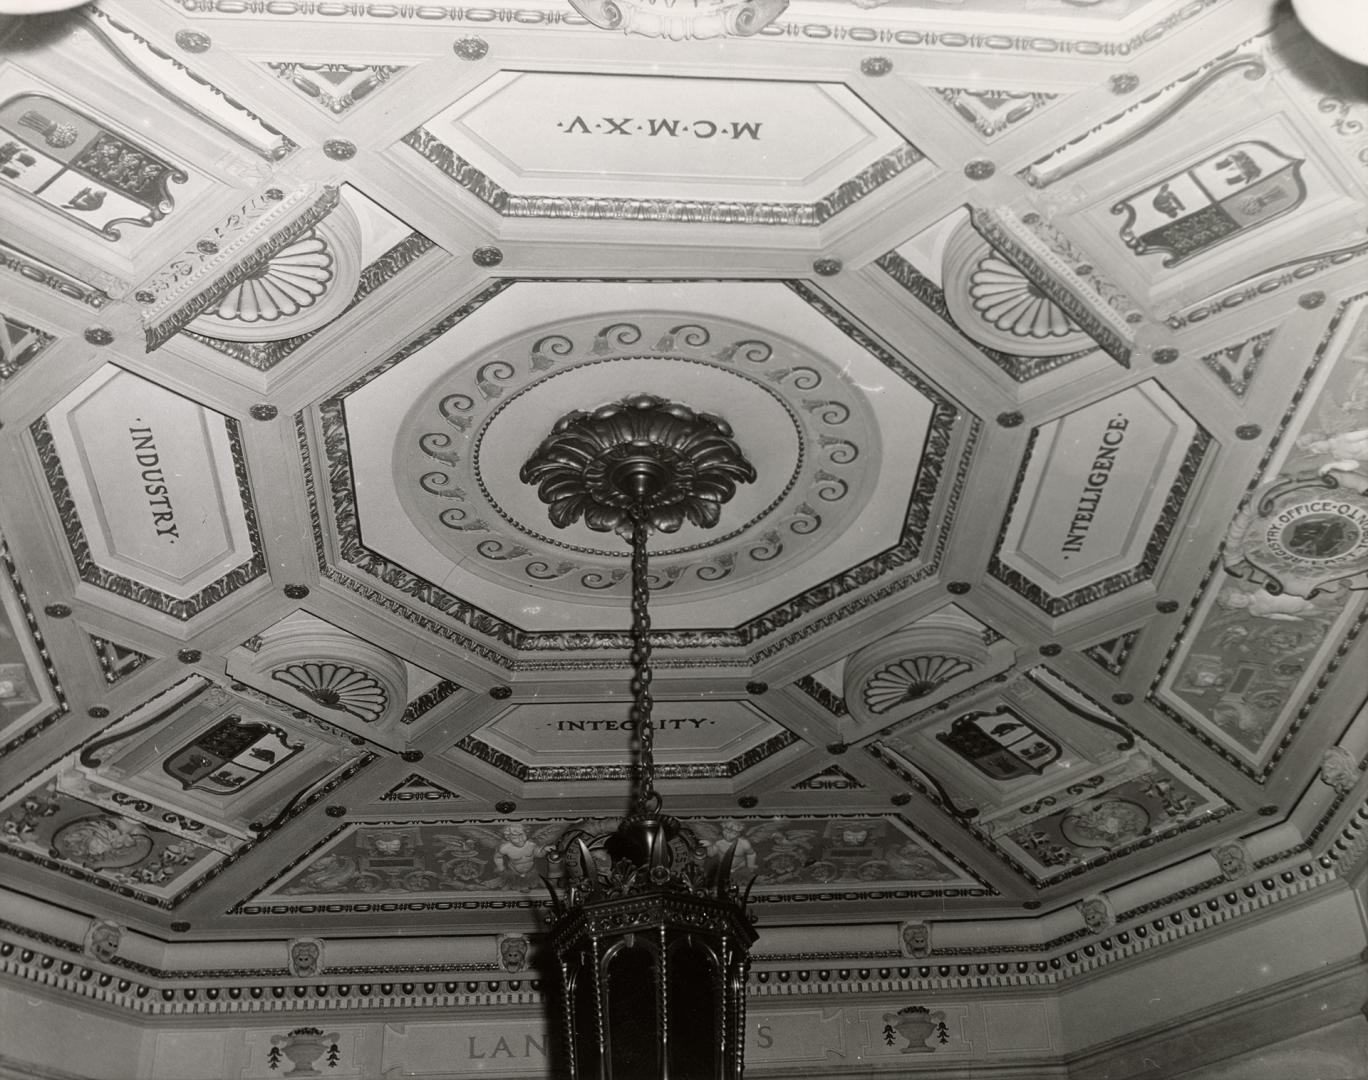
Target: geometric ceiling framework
[(1032, 654)]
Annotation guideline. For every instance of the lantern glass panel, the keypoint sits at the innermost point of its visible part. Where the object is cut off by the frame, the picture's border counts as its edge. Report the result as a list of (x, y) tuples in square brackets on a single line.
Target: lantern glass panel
[(588, 1059), (633, 1014), (695, 992)]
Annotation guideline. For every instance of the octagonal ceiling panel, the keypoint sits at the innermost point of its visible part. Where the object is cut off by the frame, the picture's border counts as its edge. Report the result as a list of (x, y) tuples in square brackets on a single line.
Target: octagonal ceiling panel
[(539, 144), (840, 441), (152, 493)]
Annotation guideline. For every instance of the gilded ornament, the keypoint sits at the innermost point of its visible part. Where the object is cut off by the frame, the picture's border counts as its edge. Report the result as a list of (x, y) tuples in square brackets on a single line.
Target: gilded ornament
[(979, 169), (339, 149), (875, 66), (827, 267), (486, 256)]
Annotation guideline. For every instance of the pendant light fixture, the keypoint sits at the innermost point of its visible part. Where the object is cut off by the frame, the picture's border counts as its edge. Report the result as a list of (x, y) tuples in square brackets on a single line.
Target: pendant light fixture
[(649, 933)]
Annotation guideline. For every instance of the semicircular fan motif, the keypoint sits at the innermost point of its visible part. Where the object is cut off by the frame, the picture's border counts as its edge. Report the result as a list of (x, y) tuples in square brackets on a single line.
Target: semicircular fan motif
[(293, 279), (910, 679), (337, 686), (1005, 298)]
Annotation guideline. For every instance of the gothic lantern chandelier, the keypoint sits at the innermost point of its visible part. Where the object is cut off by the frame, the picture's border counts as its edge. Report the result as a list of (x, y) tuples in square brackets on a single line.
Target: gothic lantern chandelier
[(650, 935)]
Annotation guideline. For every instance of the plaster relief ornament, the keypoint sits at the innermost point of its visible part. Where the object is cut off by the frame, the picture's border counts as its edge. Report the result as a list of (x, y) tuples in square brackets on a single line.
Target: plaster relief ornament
[(513, 949), (1233, 860), (306, 957), (1240, 187), (1339, 770), (337, 686), (102, 940), (1097, 913), (1303, 535), (684, 21), (916, 939)]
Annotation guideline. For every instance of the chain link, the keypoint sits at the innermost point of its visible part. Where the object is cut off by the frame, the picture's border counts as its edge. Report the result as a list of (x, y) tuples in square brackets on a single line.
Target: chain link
[(647, 801)]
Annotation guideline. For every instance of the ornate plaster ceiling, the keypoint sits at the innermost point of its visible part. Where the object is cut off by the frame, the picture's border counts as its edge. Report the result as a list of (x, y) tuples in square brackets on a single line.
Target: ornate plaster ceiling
[(1021, 312)]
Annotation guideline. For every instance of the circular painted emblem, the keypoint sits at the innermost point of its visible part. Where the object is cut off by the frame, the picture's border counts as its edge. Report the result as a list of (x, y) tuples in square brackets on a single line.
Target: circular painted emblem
[(1305, 542), (1105, 823), (102, 841), (1319, 532)]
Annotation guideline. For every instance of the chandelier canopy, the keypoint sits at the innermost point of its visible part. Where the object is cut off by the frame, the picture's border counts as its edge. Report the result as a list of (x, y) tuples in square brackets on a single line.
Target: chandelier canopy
[(650, 934)]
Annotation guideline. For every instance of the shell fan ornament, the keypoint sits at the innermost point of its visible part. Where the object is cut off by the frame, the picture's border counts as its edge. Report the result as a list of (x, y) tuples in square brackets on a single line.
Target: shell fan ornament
[(650, 935)]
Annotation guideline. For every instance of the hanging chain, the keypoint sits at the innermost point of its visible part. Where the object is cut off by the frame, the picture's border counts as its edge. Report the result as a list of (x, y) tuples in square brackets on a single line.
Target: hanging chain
[(647, 801)]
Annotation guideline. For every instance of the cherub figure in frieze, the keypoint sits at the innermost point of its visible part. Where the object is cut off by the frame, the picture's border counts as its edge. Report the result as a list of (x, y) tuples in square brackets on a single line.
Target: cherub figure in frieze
[(782, 850), (517, 855)]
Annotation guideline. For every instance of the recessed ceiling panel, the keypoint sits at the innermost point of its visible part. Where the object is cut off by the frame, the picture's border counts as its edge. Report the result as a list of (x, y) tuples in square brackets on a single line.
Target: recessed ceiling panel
[(413, 866), (590, 741), (1250, 659), (152, 491), (1098, 497), (1047, 778), (535, 143), (85, 172)]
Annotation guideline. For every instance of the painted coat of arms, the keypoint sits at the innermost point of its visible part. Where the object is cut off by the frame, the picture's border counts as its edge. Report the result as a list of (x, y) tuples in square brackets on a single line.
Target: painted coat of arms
[(80, 168), (1241, 187), (229, 756), (1000, 744)]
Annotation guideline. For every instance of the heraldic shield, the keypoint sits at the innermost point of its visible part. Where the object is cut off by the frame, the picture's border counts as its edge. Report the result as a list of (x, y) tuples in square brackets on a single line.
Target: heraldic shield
[(1240, 187), (1001, 744), (229, 756)]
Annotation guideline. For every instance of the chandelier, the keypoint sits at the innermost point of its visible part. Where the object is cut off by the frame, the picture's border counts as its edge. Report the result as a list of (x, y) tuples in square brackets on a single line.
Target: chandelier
[(650, 935)]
